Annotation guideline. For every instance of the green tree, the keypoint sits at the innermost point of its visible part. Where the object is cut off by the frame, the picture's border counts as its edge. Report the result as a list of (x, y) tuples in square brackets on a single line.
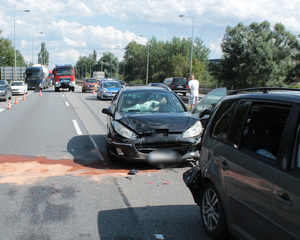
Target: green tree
[(170, 58), (110, 64), (43, 55), (256, 56), (7, 53)]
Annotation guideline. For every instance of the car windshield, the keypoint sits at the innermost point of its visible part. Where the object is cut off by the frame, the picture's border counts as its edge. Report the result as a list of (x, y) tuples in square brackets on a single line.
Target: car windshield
[(16, 84), (112, 85), (64, 71), (91, 80), (154, 102), (2, 83)]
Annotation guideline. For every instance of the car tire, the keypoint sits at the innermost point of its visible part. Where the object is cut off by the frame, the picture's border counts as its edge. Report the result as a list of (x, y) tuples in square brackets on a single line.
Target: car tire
[(56, 89), (212, 212)]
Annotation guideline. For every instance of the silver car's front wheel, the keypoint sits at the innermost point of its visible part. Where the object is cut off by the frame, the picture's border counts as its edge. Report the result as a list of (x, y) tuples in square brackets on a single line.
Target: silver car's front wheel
[(212, 212)]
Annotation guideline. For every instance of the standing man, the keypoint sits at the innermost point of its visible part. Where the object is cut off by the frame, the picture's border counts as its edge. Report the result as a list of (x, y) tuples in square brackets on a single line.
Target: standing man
[(194, 91)]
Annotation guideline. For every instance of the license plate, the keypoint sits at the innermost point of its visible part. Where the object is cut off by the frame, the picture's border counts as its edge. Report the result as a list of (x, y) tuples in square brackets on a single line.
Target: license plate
[(164, 158)]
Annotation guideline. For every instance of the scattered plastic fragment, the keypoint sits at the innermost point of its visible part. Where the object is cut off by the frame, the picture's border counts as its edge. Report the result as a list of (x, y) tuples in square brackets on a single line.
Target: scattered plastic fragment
[(159, 236), (132, 172)]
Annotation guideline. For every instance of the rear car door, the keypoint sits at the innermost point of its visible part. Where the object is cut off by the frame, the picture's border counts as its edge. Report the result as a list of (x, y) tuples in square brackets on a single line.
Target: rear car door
[(286, 195), (247, 190)]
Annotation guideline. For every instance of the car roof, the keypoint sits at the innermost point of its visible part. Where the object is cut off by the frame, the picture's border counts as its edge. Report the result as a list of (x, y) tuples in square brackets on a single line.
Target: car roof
[(144, 89), (278, 94)]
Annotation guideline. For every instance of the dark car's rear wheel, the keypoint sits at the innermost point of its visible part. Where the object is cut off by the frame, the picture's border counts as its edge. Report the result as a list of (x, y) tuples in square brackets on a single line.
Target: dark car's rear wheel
[(212, 212)]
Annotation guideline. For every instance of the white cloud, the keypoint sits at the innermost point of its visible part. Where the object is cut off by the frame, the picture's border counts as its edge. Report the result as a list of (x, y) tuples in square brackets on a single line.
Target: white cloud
[(73, 28)]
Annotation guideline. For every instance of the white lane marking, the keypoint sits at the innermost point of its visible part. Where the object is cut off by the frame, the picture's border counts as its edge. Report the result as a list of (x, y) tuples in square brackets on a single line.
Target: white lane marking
[(77, 127), (63, 95), (67, 104), (2, 109)]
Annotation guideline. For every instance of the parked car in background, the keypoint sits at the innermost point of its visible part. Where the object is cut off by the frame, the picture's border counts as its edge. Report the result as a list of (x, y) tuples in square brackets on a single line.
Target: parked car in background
[(150, 124), (18, 87), (247, 180), (5, 90), (89, 84), (159, 85), (108, 89), (177, 84)]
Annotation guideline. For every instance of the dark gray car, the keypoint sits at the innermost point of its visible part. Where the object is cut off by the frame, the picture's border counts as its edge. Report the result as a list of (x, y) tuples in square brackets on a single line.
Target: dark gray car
[(5, 90), (247, 180)]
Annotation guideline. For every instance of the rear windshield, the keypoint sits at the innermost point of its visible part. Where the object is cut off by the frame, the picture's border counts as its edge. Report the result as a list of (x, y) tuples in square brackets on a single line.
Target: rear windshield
[(178, 81)]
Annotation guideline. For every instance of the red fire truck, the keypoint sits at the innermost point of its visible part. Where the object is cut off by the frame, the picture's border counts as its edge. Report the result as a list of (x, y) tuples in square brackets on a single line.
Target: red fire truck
[(64, 77)]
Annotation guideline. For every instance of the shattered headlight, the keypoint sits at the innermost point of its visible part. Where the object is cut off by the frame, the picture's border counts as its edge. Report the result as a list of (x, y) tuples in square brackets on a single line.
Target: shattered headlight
[(124, 131), (193, 131)]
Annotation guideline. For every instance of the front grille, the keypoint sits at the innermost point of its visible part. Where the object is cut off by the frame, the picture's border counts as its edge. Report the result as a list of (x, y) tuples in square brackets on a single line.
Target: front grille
[(149, 147)]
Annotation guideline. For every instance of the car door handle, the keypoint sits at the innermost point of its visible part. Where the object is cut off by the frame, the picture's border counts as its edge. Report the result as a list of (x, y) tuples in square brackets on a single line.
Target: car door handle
[(284, 199), (224, 165)]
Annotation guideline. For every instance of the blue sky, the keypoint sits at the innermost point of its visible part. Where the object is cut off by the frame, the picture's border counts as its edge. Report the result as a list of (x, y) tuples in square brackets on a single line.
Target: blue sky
[(74, 28)]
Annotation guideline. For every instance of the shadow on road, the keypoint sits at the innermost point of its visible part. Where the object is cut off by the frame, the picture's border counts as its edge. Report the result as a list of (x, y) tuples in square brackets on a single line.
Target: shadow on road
[(85, 154), (145, 222)]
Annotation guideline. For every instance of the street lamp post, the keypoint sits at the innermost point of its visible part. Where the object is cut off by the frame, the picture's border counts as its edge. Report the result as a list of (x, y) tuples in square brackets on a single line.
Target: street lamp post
[(15, 76), (191, 43), (32, 45), (147, 69)]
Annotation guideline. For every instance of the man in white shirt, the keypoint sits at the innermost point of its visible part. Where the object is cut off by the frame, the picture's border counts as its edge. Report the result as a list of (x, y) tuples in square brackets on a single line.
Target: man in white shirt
[(194, 91)]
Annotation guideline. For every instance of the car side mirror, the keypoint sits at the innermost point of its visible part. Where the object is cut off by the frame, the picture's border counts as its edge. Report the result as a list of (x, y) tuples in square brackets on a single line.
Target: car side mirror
[(107, 111), (205, 112)]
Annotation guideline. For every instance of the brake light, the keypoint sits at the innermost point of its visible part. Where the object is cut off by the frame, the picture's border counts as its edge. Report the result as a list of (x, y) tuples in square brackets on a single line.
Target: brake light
[(172, 86)]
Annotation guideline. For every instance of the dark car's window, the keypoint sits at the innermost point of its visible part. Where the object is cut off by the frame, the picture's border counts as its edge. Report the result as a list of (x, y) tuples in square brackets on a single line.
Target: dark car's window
[(264, 128), (295, 163), (2, 83), (154, 102), (221, 121), (210, 100), (238, 123), (179, 81)]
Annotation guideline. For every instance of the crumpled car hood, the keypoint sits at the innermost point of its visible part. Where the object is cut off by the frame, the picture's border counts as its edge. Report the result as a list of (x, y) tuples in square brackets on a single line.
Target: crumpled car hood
[(148, 123)]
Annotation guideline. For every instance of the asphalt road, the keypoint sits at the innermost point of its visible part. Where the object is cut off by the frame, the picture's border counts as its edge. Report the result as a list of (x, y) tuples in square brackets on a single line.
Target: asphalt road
[(56, 181)]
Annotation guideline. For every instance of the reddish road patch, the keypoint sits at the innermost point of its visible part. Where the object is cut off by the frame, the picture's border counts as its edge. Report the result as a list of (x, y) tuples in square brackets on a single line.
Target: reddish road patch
[(25, 169)]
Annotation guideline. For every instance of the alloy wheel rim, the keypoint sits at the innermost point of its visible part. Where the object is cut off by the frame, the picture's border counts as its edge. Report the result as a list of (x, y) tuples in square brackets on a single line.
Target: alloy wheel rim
[(210, 209)]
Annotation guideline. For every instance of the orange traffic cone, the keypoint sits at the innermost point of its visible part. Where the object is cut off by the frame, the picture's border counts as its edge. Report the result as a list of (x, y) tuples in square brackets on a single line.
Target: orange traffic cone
[(8, 105), (94, 91), (40, 93), (16, 100), (24, 98)]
